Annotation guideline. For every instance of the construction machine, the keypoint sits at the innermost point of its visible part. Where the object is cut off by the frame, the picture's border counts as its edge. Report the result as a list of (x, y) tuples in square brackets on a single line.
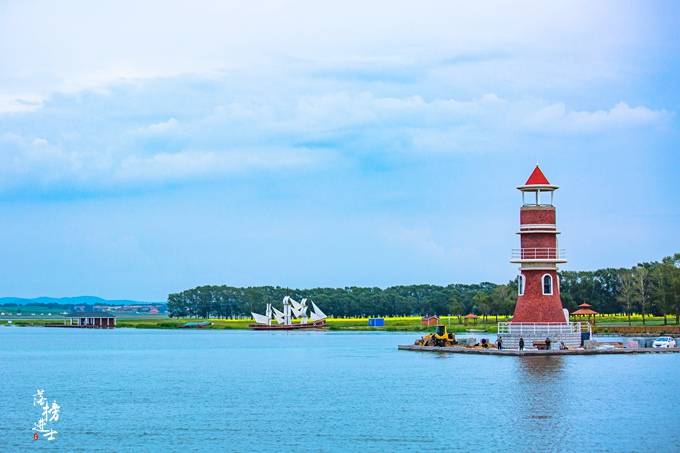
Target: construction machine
[(440, 337)]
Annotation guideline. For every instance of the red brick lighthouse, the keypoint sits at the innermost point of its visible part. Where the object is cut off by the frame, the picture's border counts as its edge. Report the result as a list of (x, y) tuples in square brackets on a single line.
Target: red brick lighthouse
[(538, 299), (538, 312)]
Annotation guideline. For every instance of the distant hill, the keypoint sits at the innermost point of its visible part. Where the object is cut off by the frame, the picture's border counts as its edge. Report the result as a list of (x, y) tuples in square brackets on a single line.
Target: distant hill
[(77, 300)]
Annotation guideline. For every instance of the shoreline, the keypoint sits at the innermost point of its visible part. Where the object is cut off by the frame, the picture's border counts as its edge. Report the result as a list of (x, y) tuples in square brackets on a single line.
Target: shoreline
[(342, 324)]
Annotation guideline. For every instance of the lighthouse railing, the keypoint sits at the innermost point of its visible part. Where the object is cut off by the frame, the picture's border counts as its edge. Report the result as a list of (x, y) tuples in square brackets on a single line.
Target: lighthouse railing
[(533, 328), (538, 253)]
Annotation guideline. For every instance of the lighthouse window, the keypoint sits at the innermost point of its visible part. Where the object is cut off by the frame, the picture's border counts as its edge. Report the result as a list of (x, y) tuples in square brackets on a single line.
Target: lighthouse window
[(547, 285), (520, 284)]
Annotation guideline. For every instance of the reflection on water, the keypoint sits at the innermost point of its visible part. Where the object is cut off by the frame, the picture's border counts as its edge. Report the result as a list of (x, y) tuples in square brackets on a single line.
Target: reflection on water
[(541, 367), (542, 409)]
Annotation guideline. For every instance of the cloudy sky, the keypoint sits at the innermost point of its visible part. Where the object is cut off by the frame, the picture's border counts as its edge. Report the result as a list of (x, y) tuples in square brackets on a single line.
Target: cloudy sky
[(148, 147)]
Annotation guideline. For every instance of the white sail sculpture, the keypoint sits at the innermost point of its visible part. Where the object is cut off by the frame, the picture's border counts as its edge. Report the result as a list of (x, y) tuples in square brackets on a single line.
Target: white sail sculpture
[(264, 319), (303, 314), (292, 309), (317, 314), (299, 309), (296, 306), (279, 316)]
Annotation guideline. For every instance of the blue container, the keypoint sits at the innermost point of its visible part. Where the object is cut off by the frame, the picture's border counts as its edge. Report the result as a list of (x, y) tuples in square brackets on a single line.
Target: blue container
[(376, 322)]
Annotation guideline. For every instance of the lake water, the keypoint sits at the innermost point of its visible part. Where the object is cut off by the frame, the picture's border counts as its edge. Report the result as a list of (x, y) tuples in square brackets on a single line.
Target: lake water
[(155, 390)]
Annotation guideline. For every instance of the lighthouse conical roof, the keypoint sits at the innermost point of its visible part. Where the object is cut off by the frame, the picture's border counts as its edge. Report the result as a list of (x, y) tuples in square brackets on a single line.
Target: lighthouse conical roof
[(537, 181), (537, 178)]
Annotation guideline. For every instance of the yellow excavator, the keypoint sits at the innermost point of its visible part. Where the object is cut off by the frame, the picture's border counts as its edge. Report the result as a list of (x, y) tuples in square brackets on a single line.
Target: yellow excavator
[(440, 337)]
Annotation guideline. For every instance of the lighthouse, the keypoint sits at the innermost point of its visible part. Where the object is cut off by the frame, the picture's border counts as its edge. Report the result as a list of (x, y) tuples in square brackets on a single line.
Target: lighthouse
[(538, 295), (538, 313)]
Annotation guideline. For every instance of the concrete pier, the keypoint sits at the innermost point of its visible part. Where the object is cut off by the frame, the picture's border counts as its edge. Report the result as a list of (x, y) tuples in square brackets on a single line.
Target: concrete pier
[(533, 352)]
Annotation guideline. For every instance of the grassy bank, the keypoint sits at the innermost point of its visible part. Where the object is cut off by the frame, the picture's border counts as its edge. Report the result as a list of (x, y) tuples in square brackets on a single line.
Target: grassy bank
[(612, 324), (391, 324), (400, 324), (405, 324)]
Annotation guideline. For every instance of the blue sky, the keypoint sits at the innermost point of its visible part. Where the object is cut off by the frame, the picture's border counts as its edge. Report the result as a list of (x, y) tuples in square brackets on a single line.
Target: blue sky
[(148, 149)]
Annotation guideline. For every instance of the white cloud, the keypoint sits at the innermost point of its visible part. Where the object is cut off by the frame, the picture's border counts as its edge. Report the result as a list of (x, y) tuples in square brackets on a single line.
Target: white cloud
[(164, 99), (170, 167), (16, 103), (36, 163), (441, 123), (160, 128), (79, 45), (556, 117), (129, 137)]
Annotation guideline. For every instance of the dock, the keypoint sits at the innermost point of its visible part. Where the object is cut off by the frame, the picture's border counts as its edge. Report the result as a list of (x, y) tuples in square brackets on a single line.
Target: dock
[(533, 352)]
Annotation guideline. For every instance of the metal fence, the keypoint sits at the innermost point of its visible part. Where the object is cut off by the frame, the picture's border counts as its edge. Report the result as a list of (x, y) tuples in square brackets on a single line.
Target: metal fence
[(539, 253), (542, 328)]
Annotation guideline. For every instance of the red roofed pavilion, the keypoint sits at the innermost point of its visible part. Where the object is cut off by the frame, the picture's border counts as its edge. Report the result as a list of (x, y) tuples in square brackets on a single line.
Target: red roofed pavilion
[(584, 310)]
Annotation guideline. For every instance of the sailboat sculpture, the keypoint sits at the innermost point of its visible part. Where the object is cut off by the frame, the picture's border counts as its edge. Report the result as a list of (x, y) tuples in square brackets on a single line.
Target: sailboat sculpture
[(292, 310)]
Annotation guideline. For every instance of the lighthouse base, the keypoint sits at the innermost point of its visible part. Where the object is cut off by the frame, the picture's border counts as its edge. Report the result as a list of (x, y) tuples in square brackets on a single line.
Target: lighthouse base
[(571, 334)]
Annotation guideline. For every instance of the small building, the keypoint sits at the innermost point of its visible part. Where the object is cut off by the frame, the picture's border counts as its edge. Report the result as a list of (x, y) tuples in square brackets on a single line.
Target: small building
[(376, 322), (430, 321), (90, 319)]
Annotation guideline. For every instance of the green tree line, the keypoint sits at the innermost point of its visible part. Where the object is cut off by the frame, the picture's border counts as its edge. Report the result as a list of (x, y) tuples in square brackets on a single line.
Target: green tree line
[(648, 288)]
